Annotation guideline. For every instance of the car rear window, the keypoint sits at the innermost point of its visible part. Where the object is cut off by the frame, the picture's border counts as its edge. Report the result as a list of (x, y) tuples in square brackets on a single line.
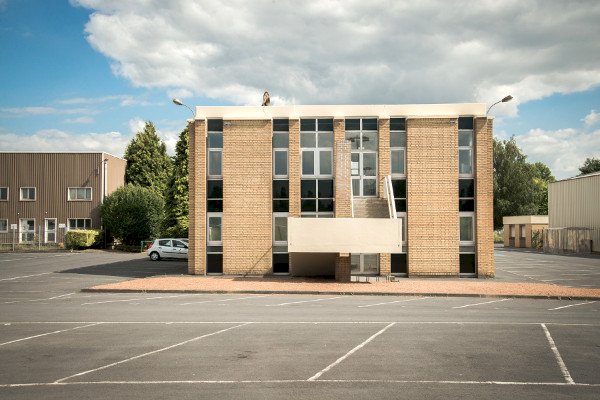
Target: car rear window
[(164, 242)]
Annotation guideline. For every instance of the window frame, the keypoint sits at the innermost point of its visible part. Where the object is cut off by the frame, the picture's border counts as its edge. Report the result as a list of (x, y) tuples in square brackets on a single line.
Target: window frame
[(210, 149), (7, 193), (470, 148), (27, 187), (317, 213), (465, 214), (21, 232), (401, 149), (4, 230), (280, 215), (76, 188), (316, 151), (213, 215), (46, 230), (86, 226)]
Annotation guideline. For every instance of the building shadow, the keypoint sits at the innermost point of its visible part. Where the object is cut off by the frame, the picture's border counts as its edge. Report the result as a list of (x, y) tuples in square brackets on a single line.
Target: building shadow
[(141, 268)]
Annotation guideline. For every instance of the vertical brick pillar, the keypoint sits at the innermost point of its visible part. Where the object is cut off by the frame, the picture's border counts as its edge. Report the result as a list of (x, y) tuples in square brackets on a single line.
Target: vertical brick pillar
[(197, 198), (505, 235), (294, 170), (432, 184), (343, 179), (384, 169), (247, 197), (342, 268), (484, 197)]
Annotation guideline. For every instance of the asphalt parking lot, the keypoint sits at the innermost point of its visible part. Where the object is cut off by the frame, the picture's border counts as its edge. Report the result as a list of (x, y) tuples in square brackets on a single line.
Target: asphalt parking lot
[(57, 342)]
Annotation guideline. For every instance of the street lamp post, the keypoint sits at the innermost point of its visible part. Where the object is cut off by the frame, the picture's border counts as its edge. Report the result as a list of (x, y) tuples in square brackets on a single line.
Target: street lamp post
[(181, 103), (504, 100)]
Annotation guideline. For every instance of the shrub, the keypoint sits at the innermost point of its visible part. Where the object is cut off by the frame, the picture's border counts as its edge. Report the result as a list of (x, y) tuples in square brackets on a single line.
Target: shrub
[(79, 239)]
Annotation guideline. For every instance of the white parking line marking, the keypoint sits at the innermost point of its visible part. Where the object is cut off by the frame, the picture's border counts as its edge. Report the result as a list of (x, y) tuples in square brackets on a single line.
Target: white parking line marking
[(30, 300), (150, 353), (288, 381), (555, 280), (50, 333), (559, 360), (303, 301), (571, 305), (393, 302), (478, 304), (348, 354), (134, 299), (219, 301), (25, 276)]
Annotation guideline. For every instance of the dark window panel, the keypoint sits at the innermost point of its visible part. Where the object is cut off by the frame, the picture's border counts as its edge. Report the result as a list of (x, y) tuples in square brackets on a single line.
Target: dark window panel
[(214, 205), (281, 140), (214, 189), (308, 205), (214, 249), (326, 205), (308, 188), (466, 249), (466, 188), (397, 124), (215, 140), (308, 125), (399, 264), (326, 125), (281, 125), (399, 186), (214, 263), (281, 189), (352, 124), (465, 122), (400, 205), (280, 249), (369, 124), (215, 125), (281, 206), (325, 188), (466, 205), (281, 263), (467, 263)]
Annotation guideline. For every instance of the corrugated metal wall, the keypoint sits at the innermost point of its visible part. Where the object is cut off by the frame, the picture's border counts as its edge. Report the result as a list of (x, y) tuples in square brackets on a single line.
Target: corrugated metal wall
[(52, 174), (576, 203)]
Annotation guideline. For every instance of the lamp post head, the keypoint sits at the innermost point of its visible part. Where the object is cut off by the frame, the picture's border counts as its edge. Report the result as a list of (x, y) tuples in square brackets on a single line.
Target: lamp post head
[(177, 101), (504, 100)]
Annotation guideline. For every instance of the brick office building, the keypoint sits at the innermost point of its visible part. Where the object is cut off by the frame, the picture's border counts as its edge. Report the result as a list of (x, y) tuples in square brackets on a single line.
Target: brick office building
[(303, 190)]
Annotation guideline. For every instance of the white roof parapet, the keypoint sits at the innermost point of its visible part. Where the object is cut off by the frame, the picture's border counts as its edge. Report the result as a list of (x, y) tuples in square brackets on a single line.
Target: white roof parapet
[(341, 111), (525, 219)]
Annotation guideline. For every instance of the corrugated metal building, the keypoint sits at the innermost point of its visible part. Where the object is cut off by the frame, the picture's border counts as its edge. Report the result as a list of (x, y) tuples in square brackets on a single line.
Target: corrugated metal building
[(575, 203), (44, 194)]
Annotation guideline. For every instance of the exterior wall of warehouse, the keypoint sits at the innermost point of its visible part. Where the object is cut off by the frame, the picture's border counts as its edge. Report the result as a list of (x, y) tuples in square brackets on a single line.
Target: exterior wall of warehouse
[(431, 175), (52, 174)]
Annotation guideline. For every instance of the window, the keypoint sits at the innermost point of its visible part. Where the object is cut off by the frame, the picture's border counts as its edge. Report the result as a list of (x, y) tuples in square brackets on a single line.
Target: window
[(3, 225), (28, 194), (3, 194), (398, 146), (467, 261), (316, 142), (50, 230), (399, 264), (214, 195), (466, 195), (165, 243), (511, 230), (281, 190), (465, 146), (363, 136), (215, 147), (523, 232), (280, 229), (466, 228), (26, 230), (399, 187), (280, 148), (362, 133), (80, 194), (364, 264), (214, 229), (80, 223), (316, 198)]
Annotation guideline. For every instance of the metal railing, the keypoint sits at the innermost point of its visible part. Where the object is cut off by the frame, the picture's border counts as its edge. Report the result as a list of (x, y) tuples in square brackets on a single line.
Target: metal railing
[(351, 199), (389, 195)]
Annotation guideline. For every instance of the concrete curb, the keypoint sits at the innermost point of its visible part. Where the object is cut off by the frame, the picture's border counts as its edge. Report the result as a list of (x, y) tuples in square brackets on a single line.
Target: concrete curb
[(314, 292)]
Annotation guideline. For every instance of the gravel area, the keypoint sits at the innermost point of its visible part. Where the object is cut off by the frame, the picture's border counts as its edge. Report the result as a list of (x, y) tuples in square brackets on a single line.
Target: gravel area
[(433, 287)]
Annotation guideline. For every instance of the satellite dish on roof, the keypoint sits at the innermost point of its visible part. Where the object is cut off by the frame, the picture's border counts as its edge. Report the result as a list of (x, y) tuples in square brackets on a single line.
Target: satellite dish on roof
[(266, 99)]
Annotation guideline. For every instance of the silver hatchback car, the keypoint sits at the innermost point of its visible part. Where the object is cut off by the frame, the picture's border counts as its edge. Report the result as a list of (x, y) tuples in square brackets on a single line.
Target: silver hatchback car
[(168, 248)]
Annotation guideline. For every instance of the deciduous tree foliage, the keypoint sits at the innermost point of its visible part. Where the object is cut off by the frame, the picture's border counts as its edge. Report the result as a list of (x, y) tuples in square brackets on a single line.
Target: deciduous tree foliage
[(148, 164), (590, 165), (133, 213), (520, 188), (176, 196)]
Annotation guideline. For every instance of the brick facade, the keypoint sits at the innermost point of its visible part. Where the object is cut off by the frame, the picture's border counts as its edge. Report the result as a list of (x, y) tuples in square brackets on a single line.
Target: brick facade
[(197, 193), (247, 197), (384, 164), (432, 186), (484, 197)]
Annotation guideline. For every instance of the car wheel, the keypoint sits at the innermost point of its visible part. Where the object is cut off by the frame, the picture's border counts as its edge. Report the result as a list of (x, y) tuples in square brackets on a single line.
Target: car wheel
[(154, 256)]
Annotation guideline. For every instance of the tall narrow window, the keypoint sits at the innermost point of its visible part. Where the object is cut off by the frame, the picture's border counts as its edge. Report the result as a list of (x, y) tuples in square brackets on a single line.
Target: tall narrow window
[(363, 136), (3, 225), (465, 146), (398, 146), (466, 195), (3, 194), (280, 257), (316, 142), (215, 147)]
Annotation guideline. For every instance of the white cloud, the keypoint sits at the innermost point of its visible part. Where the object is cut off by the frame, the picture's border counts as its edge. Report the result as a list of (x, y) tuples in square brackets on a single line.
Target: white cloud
[(351, 51), (57, 140), (25, 111), (80, 120), (592, 118), (563, 150), (124, 100), (136, 125)]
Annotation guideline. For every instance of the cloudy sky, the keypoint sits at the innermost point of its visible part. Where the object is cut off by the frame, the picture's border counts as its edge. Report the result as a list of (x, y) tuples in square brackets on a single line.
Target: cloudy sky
[(85, 74)]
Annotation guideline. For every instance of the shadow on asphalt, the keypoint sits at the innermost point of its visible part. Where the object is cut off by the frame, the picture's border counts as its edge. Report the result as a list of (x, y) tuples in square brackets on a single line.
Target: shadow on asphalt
[(133, 269)]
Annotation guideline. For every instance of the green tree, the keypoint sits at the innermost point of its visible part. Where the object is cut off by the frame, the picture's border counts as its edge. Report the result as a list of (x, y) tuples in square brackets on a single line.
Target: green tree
[(177, 194), (133, 213), (590, 165), (520, 188), (148, 164)]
